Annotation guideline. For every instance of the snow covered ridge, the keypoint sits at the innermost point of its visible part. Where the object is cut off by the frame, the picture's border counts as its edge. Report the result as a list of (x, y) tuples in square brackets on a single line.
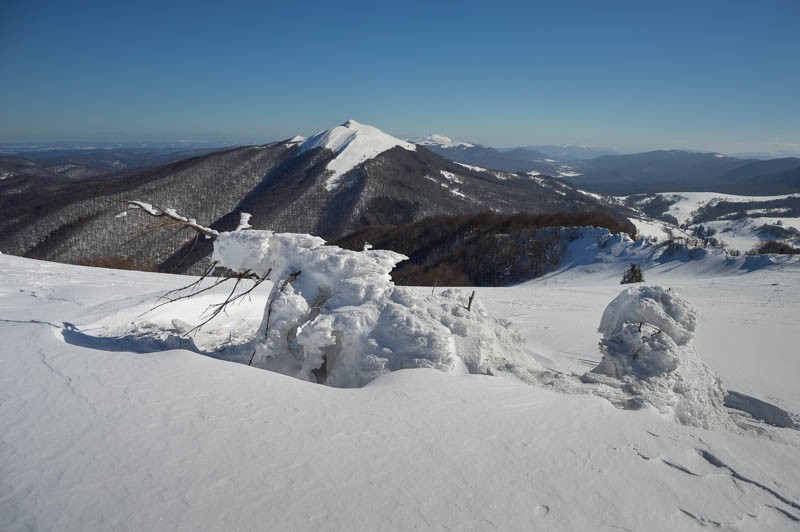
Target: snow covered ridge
[(334, 316), (435, 139), (471, 167), (297, 140), (353, 143)]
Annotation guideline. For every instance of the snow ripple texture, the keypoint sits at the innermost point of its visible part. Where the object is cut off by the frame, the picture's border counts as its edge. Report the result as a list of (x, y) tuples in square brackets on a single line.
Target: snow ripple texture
[(334, 316), (649, 358)]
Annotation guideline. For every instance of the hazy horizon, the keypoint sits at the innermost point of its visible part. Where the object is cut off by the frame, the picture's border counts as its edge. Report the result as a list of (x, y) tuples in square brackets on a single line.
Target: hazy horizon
[(88, 143)]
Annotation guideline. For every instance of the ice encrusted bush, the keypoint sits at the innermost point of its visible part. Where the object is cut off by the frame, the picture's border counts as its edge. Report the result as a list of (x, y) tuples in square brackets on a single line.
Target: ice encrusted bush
[(649, 358), (334, 316), (632, 275)]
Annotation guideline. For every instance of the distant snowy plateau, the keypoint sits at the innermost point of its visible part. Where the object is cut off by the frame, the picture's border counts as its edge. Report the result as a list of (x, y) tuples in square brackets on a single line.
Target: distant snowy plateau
[(111, 418), (735, 222)]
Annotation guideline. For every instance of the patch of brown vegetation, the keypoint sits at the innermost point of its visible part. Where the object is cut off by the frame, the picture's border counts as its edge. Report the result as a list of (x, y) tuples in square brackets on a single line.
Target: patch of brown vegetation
[(483, 249)]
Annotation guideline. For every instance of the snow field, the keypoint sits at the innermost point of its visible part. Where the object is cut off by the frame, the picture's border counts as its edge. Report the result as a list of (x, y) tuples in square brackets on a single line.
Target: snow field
[(689, 202), (97, 437), (742, 234)]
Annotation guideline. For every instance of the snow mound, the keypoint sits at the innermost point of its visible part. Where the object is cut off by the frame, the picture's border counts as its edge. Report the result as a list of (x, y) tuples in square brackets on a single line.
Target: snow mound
[(649, 358), (353, 143), (663, 309), (334, 316)]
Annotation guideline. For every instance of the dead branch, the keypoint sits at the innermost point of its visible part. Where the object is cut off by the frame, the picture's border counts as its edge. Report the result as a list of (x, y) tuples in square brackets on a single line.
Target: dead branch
[(218, 308), (218, 282), (469, 303), (175, 219), (195, 284), (180, 222)]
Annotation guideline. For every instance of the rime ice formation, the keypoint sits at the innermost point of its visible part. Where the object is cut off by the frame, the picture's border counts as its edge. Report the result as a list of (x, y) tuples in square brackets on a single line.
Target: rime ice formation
[(649, 356), (353, 143), (334, 316)]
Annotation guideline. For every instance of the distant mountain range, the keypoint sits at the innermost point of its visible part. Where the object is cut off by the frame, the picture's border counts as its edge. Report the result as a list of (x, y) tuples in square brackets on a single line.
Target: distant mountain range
[(329, 184), (508, 160), (562, 153), (567, 153), (596, 170), (87, 163), (670, 170)]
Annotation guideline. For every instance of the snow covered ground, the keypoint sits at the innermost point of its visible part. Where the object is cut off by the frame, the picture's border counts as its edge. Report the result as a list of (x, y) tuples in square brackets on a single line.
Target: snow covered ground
[(100, 433), (653, 228), (687, 203), (748, 329), (740, 231)]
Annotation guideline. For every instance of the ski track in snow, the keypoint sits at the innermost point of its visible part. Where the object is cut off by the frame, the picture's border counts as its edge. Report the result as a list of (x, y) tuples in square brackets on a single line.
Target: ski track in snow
[(94, 439)]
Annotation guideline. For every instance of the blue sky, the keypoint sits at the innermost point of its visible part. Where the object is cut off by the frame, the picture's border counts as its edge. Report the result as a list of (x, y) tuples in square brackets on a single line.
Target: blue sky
[(633, 75)]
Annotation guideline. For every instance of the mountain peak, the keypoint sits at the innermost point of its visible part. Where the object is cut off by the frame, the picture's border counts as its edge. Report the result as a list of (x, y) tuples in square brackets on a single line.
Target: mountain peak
[(435, 139), (353, 143)]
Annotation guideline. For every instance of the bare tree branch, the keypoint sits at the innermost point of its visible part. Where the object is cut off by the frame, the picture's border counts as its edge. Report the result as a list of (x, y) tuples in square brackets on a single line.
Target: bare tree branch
[(180, 222), (195, 284), (220, 307), (171, 214), (469, 304)]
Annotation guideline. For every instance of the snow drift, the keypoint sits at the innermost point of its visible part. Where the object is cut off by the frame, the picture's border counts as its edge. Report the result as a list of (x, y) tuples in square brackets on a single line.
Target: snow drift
[(334, 316), (649, 358)]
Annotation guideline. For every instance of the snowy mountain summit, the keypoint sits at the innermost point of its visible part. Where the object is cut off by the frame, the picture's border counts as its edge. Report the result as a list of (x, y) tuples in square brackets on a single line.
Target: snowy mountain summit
[(353, 143), (435, 139)]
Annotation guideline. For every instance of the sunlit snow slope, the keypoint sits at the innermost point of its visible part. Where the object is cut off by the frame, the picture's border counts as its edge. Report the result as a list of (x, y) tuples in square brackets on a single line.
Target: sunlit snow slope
[(96, 436), (353, 143), (737, 222)]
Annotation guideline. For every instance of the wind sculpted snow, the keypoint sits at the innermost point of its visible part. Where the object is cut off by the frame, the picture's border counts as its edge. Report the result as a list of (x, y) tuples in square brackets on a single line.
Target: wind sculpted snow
[(649, 354), (334, 316)]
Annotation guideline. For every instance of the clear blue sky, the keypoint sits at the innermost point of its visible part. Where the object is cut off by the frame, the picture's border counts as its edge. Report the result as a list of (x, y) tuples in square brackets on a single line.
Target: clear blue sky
[(704, 74)]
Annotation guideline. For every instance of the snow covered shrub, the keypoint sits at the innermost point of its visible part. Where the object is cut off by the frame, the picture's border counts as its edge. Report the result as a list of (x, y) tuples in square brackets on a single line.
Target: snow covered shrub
[(649, 358), (334, 316), (632, 275)]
